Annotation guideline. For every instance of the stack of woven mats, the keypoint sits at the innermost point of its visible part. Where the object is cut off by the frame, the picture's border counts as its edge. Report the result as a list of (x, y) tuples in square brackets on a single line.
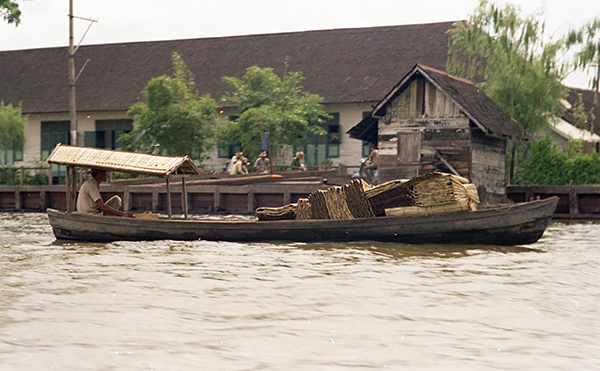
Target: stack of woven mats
[(429, 194), (336, 203), (437, 193)]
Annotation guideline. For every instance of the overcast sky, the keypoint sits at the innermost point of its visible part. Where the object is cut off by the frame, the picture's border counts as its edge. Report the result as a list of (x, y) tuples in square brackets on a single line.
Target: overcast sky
[(45, 22)]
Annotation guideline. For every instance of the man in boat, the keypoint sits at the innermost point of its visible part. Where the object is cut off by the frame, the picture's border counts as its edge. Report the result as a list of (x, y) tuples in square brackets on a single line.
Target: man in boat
[(89, 200)]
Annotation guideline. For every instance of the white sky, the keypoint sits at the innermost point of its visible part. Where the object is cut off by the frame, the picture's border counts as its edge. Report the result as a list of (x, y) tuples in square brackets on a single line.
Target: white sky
[(45, 22)]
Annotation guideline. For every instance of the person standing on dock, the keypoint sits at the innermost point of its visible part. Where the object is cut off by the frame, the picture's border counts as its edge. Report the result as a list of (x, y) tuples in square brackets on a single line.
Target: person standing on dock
[(262, 163), (239, 167), (372, 162), (237, 157), (90, 202), (298, 162)]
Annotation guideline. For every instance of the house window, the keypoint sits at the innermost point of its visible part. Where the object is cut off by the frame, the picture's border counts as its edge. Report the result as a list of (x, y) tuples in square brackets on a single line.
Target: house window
[(10, 155), (319, 148), (108, 134), (227, 151), (53, 133)]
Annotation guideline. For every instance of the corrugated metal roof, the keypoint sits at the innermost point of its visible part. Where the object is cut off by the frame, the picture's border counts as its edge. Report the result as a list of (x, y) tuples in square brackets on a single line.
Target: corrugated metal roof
[(129, 162)]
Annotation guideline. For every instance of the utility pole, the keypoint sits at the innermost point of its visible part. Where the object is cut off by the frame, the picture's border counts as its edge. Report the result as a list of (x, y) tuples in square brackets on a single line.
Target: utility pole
[(72, 101), (73, 127)]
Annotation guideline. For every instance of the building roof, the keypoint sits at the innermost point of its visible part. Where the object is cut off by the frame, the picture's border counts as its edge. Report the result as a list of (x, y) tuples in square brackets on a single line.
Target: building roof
[(341, 65), (128, 162), (587, 98), (480, 108)]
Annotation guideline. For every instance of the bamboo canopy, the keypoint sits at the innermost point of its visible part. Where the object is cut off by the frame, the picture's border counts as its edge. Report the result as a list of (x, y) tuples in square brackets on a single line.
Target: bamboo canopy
[(127, 162)]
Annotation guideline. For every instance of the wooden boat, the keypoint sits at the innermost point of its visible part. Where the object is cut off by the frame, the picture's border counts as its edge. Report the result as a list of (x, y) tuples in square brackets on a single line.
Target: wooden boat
[(514, 224), (504, 225)]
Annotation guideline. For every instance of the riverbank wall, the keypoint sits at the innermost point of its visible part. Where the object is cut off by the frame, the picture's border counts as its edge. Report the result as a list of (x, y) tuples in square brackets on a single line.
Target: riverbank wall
[(575, 202)]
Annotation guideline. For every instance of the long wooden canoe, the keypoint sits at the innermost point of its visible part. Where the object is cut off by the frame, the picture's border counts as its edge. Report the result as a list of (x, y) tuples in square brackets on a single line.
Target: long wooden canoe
[(514, 224)]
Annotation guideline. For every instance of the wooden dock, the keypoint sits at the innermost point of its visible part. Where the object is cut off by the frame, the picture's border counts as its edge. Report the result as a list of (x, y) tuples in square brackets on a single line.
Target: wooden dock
[(575, 202)]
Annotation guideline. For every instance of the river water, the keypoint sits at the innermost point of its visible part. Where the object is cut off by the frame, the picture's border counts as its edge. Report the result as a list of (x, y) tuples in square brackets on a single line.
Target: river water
[(172, 305)]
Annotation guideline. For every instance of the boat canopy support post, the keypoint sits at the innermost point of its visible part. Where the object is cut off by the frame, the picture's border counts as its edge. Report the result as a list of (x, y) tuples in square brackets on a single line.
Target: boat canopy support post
[(184, 198), (71, 185), (169, 210)]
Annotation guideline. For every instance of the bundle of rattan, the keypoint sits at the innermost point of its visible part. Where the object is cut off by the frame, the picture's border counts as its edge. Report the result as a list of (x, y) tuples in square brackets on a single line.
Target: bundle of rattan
[(459, 205), (394, 193), (303, 209), (276, 213), (440, 188), (337, 204), (318, 205), (356, 199)]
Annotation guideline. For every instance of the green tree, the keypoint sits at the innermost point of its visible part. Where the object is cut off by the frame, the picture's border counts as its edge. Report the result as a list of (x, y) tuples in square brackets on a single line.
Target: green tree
[(515, 67), (265, 102), (174, 120), (12, 127), (9, 10), (587, 38)]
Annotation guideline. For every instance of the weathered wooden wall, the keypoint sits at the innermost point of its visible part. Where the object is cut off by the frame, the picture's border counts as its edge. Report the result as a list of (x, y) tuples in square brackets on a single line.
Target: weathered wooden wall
[(443, 128), (488, 163)]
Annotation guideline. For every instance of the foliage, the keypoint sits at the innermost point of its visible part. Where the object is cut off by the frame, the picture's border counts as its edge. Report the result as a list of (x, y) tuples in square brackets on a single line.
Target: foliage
[(265, 102), (12, 127), (547, 164), (9, 10), (588, 39), (517, 69), (174, 120), (10, 175)]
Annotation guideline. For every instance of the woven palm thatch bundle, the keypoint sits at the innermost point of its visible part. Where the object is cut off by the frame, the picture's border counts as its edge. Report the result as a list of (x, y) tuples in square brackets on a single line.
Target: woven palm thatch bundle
[(303, 209), (318, 205), (276, 213), (441, 188), (395, 193), (459, 205), (337, 204), (356, 199)]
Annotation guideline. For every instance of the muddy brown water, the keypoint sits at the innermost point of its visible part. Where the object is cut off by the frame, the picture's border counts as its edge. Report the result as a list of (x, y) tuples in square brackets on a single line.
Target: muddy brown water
[(170, 305)]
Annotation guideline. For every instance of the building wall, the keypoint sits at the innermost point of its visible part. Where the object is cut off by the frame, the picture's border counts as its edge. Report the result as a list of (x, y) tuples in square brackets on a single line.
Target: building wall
[(488, 161), (423, 119), (349, 114)]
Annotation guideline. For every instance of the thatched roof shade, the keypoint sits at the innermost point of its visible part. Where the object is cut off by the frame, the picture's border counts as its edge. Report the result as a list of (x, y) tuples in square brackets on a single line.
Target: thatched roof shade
[(127, 162)]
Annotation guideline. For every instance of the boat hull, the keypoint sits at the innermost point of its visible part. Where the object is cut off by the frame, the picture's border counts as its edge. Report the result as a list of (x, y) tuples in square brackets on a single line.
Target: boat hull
[(507, 225)]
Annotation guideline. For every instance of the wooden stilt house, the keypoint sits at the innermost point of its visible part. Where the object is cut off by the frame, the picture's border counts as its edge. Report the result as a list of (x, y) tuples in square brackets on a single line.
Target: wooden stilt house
[(434, 121)]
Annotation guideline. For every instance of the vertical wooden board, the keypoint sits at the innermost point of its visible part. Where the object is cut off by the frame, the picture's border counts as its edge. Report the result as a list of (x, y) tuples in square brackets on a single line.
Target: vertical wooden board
[(412, 103), (30, 200), (57, 200), (409, 148), (420, 97), (268, 199), (175, 201), (7, 200), (140, 201), (202, 201), (431, 99), (234, 202), (589, 204)]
